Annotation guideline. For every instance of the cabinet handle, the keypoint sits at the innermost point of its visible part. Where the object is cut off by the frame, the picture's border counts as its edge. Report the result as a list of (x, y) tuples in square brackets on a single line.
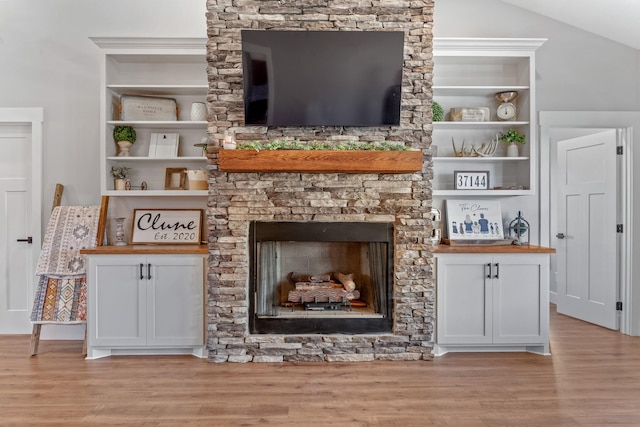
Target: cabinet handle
[(489, 274), (148, 271), (141, 274), (497, 276)]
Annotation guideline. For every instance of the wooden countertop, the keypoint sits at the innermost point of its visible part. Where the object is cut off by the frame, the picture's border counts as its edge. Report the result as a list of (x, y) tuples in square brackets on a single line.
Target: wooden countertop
[(147, 249), (492, 249)]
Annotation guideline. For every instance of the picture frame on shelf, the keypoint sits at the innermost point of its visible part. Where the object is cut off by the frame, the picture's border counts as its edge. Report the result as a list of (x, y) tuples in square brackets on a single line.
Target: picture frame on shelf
[(166, 226), (474, 220), (471, 180), (175, 179), (163, 145)]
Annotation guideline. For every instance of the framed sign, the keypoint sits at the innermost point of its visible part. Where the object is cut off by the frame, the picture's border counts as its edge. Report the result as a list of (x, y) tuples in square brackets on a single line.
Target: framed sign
[(474, 220), (167, 226), (471, 180)]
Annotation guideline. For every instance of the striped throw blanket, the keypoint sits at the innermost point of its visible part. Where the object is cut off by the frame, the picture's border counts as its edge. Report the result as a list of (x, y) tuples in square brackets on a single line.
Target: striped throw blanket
[(60, 300)]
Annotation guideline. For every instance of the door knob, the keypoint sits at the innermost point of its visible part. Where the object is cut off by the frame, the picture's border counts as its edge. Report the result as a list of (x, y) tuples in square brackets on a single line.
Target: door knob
[(28, 240), (560, 235)]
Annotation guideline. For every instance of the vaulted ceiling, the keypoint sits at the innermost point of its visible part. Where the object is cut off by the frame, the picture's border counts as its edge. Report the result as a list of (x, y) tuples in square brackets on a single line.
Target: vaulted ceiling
[(616, 20)]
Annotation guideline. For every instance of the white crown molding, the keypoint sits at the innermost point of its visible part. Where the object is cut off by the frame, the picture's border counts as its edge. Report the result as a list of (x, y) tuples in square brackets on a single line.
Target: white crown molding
[(150, 42), (473, 44)]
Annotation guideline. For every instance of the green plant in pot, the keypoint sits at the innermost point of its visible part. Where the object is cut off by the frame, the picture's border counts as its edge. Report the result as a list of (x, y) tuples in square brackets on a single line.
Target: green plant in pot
[(438, 112), (512, 137), (120, 175), (124, 136)]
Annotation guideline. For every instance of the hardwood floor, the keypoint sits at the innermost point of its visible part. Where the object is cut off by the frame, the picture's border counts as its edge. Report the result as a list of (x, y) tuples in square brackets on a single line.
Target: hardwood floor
[(592, 379)]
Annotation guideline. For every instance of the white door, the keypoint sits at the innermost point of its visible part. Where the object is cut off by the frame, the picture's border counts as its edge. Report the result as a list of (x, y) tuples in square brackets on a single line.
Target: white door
[(16, 252), (586, 240), (20, 214)]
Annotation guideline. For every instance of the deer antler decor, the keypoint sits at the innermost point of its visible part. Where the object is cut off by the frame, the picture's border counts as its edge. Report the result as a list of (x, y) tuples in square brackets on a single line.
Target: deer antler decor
[(484, 150)]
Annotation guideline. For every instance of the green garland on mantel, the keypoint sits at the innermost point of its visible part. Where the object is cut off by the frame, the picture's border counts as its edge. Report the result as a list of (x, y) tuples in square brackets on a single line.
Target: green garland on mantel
[(317, 145)]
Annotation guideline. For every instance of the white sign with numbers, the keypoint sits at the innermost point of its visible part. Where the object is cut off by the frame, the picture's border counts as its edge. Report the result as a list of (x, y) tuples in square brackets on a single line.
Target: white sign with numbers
[(471, 180)]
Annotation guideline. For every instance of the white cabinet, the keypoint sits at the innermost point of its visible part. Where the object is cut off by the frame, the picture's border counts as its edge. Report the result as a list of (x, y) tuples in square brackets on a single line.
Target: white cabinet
[(162, 67), (493, 302), (468, 73), (145, 304)]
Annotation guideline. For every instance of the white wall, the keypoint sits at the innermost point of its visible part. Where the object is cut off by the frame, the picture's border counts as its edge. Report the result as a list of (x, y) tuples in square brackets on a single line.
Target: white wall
[(575, 70), (47, 60)]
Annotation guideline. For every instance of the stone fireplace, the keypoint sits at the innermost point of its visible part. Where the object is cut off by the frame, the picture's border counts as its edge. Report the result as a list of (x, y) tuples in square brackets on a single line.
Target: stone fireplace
[(398, 203), (320, 277)]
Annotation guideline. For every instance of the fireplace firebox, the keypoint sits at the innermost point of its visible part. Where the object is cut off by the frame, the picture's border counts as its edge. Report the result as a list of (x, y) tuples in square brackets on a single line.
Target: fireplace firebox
[(321, 277)]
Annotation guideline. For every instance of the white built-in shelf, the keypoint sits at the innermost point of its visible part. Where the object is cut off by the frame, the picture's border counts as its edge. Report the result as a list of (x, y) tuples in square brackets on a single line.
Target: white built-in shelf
[(158, 67), (454, 90), (478, 125), (150, 90), (469, 72), (184, 124)]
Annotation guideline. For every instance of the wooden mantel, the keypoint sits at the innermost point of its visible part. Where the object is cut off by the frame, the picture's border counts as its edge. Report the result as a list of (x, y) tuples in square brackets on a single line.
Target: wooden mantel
[(320, 161)]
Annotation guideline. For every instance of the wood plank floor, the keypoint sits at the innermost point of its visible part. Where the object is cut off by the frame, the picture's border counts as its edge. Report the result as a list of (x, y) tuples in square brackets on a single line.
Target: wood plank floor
[(592, 379)]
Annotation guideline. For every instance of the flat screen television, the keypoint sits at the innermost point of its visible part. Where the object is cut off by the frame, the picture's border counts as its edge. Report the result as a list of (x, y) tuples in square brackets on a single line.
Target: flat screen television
[(322, 78)]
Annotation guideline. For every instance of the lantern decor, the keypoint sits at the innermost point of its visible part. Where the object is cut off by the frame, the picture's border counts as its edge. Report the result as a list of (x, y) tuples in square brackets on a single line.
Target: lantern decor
[(519, 229)]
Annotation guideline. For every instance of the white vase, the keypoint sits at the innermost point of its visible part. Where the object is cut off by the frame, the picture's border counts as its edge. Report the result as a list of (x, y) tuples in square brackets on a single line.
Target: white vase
[(124, 147), (512, 150), (198, 112)]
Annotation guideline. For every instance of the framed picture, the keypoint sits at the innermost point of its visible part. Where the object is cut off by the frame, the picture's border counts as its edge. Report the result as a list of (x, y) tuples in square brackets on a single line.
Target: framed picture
[(175, 179), (474, 220), (163, 145), (471, 180), (167, 226)]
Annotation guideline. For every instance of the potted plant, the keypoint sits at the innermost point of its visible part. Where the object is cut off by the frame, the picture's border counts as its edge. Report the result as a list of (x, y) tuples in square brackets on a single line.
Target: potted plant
[(120, 175), (512, 137), (124, 136), (438, 112)]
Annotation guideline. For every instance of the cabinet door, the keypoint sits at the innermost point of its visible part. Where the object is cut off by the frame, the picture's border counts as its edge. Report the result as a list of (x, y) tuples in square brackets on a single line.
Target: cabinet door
[(117, 302), (464, 300), (175, 300), (519, 300)]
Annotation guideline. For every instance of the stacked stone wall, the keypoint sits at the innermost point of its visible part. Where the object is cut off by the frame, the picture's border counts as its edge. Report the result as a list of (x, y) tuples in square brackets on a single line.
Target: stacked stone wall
[(235, 199)]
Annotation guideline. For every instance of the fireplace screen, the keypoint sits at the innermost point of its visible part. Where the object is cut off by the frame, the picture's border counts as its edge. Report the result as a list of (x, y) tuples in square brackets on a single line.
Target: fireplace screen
[(321, 277)]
